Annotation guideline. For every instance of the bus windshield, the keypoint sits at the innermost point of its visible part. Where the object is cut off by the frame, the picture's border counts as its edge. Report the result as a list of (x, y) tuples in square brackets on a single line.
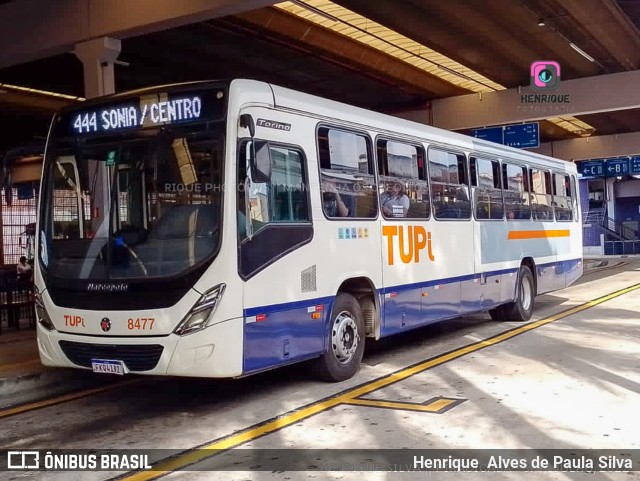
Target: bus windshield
[(145, 205)]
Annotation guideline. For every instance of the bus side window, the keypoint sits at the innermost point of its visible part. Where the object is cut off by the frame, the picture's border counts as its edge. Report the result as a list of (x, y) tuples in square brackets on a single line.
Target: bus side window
[(346, 174), (449, 187), (562, 200), (541, 196), (283, 198), (486, 189), (516, 192), (574, 198), (404, 190)]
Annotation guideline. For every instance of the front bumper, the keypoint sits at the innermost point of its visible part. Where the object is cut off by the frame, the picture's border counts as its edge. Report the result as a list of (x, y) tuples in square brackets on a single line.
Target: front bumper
[(213, 352)]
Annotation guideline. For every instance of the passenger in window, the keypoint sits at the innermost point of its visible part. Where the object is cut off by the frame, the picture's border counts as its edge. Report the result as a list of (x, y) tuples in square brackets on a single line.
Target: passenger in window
[(394, 201), (461, 194), (333, 203), (511, 215)]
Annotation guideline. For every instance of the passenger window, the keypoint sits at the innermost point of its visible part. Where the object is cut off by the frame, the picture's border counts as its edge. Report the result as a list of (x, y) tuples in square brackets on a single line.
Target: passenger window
[(346, 174), (574, 197), (68, 214), (283, 198), (487, 189), (449, 188), (404, 190), (562, 199), (515, 183), (541, 195)]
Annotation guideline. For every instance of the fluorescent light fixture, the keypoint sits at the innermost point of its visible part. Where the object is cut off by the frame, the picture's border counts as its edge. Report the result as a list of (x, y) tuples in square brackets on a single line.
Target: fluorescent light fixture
[(5, 88), (582, 52), (315, 10)]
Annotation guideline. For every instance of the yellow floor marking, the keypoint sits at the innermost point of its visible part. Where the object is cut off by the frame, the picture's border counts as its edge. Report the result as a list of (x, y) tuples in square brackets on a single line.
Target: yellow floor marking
[(208, 450), (63, 398), (18, 365), (432, 407)]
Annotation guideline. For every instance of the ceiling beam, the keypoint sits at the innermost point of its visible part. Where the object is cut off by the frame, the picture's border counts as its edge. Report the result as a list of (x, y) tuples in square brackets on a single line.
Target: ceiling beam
[(336, 48), (606, 24), (604, 93), (593, 147), (55, 27), (32, 101)]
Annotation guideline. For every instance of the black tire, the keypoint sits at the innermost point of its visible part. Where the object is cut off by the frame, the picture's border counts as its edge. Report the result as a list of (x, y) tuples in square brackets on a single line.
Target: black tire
[(346, 319), (498, 314), (521, 309)]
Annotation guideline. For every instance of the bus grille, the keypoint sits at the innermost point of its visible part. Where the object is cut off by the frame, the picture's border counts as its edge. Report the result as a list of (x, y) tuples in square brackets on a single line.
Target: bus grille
[(137, 357)]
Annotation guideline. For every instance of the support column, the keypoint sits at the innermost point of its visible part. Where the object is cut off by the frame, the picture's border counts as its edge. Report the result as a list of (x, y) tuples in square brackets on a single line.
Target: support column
[(98, 56)]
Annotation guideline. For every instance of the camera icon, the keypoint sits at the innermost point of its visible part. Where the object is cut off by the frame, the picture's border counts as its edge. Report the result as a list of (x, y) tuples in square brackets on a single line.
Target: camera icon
[(545, 75)]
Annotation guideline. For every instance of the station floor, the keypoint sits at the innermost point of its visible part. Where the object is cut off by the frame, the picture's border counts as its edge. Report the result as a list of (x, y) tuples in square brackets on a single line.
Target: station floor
[(567, 379)]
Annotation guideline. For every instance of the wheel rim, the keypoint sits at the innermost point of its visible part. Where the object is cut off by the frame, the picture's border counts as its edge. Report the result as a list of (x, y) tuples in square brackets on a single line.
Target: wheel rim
[(526, 295), (344, 337)]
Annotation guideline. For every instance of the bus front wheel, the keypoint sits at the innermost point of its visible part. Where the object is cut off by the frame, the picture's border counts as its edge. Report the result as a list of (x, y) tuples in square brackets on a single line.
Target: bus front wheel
[(346, 335), (521, 309)]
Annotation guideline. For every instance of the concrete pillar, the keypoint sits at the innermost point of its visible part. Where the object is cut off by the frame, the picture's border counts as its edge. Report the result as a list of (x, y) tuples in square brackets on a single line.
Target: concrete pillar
[(97, 57)]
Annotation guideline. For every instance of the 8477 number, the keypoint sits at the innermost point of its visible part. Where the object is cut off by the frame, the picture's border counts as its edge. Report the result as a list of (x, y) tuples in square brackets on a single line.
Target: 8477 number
[(140, 323)]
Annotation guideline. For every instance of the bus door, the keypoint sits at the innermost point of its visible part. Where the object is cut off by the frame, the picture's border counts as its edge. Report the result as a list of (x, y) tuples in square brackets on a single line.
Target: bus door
[(275, 231)]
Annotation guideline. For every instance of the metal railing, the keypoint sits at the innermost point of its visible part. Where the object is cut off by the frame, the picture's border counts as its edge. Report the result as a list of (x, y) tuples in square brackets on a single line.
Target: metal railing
[(611, 228)]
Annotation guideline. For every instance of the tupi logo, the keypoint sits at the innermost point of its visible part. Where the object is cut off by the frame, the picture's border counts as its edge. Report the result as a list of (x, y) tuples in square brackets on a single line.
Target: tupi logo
[(416, 237)]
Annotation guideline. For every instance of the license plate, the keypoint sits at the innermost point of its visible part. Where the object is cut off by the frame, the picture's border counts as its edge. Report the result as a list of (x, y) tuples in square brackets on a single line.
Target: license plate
[(105, 366)]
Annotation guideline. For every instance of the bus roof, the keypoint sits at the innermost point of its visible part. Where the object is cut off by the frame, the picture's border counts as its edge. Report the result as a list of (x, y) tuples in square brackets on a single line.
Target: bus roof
[(299, 101)]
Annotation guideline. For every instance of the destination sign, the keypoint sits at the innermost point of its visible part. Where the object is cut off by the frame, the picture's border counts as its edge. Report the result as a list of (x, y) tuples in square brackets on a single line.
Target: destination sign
[(152, 110), (128, 116)]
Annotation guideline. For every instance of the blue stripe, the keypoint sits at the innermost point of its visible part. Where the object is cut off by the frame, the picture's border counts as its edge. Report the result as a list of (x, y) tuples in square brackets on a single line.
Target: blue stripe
[(271, 308), (439, 282)]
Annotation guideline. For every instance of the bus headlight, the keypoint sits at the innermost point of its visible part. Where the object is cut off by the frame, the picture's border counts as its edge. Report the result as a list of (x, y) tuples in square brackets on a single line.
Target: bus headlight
[(41, 312), (198, 317)]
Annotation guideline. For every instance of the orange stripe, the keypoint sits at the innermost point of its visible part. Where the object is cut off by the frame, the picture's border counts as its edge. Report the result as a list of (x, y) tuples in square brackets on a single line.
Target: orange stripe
[(537, 234)]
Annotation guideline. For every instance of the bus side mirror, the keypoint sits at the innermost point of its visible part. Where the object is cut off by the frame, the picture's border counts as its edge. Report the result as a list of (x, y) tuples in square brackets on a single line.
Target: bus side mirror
[(246, 121), (259, 161)]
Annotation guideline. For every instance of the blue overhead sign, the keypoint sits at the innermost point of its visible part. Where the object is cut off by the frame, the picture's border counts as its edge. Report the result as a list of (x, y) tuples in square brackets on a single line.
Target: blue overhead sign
[(634, 165), (492, 134), (591, 168), (616, 166), (522, 136)]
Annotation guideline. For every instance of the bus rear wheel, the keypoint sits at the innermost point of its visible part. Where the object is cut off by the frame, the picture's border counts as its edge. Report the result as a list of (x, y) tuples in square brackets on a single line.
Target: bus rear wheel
[(521, 309), (346, 341)]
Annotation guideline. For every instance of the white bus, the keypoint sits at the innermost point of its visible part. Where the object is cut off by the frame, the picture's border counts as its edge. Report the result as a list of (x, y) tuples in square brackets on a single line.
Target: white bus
[(220, 229)]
